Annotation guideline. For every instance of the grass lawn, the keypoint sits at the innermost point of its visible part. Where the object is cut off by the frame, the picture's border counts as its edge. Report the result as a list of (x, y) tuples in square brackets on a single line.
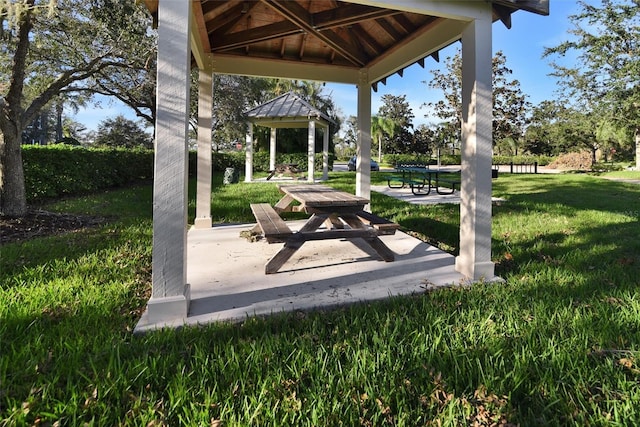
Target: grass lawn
[(557, 344)]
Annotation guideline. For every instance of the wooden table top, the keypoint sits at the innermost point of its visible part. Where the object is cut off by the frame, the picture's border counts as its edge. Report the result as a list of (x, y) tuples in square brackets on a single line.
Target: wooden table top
[(315, 195)]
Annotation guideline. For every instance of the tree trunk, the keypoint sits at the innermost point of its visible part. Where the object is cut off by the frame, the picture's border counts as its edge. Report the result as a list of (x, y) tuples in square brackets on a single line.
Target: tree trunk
[(58, 120), (12, 190), (638, 148)]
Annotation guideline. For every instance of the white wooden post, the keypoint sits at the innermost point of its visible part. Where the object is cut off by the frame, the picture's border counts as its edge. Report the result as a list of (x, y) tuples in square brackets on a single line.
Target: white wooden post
[(272, 150), (311, 156), (474, 260), (248, 164), (325, 152), (170, 293), (205, 110), (363, 149)]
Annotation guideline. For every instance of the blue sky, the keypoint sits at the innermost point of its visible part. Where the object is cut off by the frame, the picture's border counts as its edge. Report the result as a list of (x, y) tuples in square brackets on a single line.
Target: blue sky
[(522, 45)]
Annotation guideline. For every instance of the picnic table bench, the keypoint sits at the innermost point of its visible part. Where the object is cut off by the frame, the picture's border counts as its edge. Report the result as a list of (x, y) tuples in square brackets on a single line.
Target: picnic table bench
[(269, 223), (448, 178)]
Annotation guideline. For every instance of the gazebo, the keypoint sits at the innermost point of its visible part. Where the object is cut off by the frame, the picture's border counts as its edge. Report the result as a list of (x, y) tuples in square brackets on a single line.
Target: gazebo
[(359, 42), (288, 111)]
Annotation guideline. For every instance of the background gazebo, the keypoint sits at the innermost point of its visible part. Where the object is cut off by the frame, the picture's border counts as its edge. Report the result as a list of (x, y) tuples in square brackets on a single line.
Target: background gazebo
[(288, 111)]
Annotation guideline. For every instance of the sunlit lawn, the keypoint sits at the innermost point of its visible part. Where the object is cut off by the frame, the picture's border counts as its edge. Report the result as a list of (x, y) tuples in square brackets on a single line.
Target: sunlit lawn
[(557, 344)]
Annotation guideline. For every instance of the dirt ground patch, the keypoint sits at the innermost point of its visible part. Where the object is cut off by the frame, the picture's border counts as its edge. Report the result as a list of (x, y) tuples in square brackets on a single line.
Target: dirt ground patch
[(41, 223)]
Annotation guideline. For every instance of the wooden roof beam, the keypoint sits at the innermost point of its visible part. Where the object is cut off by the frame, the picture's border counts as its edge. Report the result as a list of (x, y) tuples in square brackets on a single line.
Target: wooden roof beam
[(404, 23), (254, 35), (365, 38), (349, 15), (298, 15), (389, 29), (224, 21)]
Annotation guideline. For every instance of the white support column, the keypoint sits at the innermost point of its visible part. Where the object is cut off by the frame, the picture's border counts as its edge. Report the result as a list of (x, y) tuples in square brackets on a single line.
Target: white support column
[(363, 149), (170, 293), (311, 155), (248, 164), (325, 153), (474, 260), (272, 150), (205, 111)]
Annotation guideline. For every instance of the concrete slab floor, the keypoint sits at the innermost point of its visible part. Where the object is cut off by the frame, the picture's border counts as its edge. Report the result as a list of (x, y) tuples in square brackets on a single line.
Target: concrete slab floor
[(228, 283)]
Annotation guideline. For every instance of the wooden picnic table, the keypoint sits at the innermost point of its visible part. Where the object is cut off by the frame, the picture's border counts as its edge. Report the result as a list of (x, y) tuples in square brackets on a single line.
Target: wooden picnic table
[(290, 169), (342, 214)]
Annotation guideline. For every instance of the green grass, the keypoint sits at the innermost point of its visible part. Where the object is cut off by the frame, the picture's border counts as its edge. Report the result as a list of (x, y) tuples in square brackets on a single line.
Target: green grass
[(557, 344)]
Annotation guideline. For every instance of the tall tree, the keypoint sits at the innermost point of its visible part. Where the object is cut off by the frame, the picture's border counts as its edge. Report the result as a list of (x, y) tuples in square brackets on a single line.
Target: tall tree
[(50, 47), (510, 107), (540, 136), (449, 108), (381, 126), (396, 109), (424, 139), (122, 132), (604, 77)]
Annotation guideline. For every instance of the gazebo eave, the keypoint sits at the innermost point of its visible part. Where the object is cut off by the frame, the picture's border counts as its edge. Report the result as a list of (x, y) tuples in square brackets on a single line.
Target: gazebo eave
[(269, 67), (287, 122)]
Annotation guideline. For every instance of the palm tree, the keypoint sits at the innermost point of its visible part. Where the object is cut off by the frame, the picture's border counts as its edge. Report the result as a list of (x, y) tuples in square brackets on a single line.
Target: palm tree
[(379, 127)]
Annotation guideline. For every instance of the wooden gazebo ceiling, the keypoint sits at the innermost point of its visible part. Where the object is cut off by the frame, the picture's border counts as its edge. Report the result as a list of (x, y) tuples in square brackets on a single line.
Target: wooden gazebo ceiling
[(316, 31), (328, 32)]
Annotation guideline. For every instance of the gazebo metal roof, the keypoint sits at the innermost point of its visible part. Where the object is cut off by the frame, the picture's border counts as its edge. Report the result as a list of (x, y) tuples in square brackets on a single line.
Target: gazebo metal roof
[(288, 110)]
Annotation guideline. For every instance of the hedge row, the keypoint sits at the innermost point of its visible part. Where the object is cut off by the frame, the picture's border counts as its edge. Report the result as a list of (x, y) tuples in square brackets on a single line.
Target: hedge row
[(421, 159), (448, 159), (60, 170), (236, 159)]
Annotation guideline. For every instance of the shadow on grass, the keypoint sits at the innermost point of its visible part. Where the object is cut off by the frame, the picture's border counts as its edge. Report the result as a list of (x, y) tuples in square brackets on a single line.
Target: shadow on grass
[(531, 344)]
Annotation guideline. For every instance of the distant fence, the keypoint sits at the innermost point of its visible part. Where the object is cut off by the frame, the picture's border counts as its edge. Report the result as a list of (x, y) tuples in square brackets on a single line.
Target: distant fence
[(522, 167)]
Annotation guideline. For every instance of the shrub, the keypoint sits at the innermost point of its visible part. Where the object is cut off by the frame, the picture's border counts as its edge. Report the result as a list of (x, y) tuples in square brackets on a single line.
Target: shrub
[(407, 159), (236, 159), (60, 169)]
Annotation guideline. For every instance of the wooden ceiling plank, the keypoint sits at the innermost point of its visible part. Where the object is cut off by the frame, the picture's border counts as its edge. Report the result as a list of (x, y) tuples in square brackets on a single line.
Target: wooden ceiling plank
[(253, 35), (404, 23), (389, 29), (224, 21), (303, 42), (349, 15), (295, 13), (367, 39)]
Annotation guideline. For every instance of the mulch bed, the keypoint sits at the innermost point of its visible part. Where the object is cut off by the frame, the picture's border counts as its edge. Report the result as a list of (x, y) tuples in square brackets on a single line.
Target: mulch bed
[(41, 223)]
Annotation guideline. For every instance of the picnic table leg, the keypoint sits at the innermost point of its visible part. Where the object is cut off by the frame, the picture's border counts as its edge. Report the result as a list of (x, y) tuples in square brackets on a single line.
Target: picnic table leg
[(380, 248), (373, 240), (290, 247), (292, 244), (284, 204), (334, 222)]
